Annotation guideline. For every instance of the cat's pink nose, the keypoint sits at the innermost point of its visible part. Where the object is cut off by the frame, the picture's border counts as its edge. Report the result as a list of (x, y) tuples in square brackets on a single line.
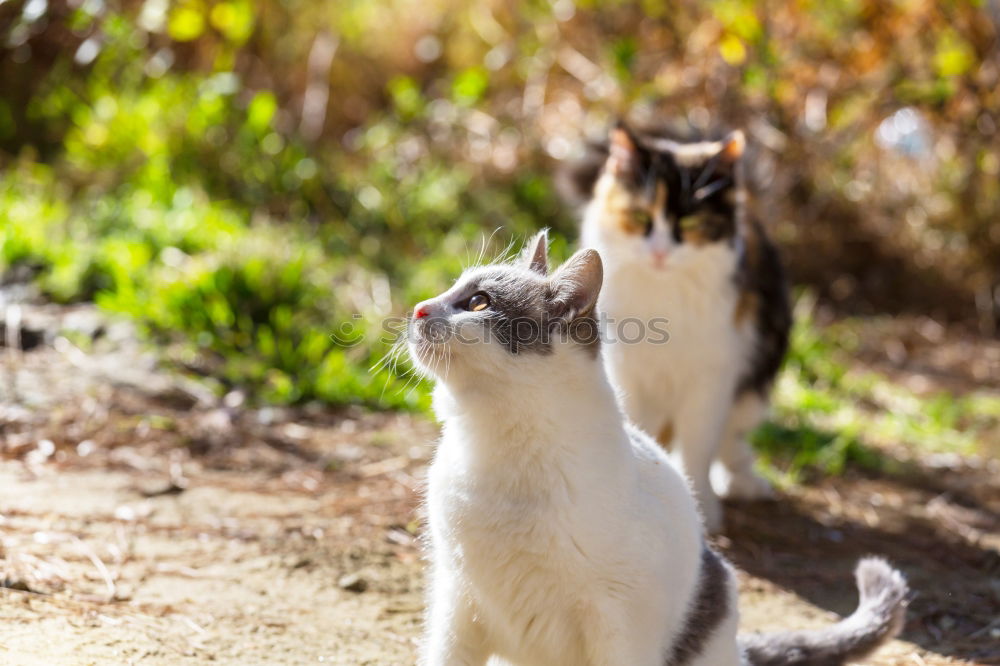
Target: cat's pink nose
[(422, 310)]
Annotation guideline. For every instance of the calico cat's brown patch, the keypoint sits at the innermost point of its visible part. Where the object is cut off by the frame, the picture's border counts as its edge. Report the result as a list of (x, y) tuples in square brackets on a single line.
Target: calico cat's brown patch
[(746, 306), (624, 210), (619, 210), (666, 436)]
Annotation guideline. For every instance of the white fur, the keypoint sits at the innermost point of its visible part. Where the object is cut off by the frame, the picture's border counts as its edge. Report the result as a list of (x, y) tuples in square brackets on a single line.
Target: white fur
[(554, 541), (558, 535), (688, 382)]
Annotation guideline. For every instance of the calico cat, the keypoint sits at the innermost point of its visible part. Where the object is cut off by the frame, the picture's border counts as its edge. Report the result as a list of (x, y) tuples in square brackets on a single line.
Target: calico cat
[(558, 533), (669, 220)]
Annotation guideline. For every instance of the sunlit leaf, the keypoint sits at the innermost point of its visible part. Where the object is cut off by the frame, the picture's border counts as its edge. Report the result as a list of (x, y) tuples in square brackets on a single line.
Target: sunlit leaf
[(623, 54), (235, 20), (470, 85), (405, 95), (187, 22), (732, 50), (738, 17), (261, 110), (954, 56)]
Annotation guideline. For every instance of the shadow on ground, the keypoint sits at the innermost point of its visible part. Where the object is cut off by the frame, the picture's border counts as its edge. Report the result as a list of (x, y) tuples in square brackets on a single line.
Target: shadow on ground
[(939, 526)]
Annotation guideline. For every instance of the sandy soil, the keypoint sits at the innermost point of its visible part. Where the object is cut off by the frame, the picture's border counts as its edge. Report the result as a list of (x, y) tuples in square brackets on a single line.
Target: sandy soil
[(140, 522)]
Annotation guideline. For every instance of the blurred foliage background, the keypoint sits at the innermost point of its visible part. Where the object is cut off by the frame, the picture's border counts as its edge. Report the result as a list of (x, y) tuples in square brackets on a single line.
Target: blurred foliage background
[(244, 179)]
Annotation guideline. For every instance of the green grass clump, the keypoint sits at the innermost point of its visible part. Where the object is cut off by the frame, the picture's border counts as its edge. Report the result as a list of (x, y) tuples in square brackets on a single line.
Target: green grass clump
[(78, 246), (829, 414), (271, 315)]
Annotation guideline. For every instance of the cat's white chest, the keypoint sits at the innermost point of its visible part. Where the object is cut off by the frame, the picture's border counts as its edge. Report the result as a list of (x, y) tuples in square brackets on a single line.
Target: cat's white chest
[(511, 552)]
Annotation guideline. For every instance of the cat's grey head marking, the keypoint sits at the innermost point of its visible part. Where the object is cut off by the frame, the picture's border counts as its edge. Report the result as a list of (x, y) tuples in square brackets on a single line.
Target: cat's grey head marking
[(517, 307)]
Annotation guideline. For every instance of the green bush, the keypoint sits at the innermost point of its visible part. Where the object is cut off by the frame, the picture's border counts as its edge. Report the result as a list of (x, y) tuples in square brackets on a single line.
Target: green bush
[(81, 245), (267, 314)]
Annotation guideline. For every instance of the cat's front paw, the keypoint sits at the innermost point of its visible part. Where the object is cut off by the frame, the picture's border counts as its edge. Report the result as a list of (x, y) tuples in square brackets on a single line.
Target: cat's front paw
[(746, 486)]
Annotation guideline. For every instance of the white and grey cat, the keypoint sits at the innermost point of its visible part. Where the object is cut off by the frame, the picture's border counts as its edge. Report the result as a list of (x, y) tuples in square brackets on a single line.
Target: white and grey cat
[(669, 220), (559, 534)]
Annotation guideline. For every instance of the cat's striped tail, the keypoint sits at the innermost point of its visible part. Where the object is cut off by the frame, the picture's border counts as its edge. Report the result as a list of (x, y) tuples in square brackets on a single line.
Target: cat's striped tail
[(879, 618)]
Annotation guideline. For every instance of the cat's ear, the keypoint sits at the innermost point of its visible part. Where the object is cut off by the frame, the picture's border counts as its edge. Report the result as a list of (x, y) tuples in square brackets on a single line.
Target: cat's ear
[(535, 255), (623, 152), (576, 285), (733, 146)]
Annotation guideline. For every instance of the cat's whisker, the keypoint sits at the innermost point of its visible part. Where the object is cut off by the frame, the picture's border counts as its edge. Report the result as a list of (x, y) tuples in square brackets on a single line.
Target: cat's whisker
[(440, 354), (383, 362), (390, 362), (418, 375), (396, 359), (412, 378), (386, 364), (390, 357), (443, 356), (385, 385), (482, 250), (447, 363), (487, 241), (483, 240), (507, 254), (435, 361)]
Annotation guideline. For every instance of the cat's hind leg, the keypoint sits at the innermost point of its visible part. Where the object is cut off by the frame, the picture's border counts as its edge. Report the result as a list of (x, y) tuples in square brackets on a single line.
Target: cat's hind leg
[(733, 476), (612, 637), (454, 636), (722, 648)]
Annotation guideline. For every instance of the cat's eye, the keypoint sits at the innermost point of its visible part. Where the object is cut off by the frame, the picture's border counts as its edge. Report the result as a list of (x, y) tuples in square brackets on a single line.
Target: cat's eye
[(642, 219), (478, 302), (690, 222)]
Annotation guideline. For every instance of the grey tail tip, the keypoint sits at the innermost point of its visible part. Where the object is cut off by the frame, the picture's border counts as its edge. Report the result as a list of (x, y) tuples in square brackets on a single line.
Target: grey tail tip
[(878, 618), (879, 583)]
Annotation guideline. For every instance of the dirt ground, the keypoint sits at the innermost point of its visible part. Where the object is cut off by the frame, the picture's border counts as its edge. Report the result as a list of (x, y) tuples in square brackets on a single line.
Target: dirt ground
[(143, 522)]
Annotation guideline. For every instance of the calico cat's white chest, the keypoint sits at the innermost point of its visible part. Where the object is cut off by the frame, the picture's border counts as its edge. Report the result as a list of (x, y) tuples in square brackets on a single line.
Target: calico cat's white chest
[(690, 334), (694, 301)]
